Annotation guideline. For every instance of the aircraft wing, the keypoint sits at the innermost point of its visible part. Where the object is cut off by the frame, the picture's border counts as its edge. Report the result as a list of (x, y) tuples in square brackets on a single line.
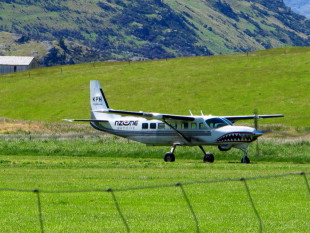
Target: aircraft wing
[(237, 118), (149, 115)]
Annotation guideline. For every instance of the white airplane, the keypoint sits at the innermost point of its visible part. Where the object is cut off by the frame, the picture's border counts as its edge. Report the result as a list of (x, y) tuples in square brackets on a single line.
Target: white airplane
[(156, 129)]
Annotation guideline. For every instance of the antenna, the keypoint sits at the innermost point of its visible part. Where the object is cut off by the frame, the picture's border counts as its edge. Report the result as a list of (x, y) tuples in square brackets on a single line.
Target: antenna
[(191, 112), (202, 114)]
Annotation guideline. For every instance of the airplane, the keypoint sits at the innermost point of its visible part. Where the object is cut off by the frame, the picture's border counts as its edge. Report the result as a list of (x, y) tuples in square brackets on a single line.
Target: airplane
[(157, 129)]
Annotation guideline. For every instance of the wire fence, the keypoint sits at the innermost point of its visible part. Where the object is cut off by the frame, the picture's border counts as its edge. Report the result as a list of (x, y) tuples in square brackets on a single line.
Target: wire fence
[(38, 194)]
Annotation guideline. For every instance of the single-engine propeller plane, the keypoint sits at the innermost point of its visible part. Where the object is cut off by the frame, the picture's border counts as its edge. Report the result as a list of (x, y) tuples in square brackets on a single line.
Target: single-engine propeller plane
[(156, 129)]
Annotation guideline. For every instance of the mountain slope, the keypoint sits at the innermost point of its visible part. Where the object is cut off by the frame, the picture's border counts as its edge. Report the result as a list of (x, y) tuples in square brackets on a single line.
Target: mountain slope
[(150, 29), (245, 25)]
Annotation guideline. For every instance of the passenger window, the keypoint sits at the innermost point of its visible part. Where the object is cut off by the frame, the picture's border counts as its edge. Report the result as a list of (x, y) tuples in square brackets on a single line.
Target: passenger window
[(202, 126), (194, 125), (161, 125), (153, 125), (185, 125), (145, 125)]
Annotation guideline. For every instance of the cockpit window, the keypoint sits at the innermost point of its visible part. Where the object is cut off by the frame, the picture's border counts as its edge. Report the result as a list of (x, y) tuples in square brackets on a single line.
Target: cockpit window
[(228, 121), (215, 123)]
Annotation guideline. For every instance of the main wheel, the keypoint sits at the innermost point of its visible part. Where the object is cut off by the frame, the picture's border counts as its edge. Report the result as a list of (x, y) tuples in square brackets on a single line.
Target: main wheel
[(208, 158), (169, 157), (245, 159)]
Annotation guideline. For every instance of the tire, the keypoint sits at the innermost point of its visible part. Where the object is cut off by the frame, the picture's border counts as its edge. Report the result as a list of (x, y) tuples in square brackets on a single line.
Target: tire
[(208, 158), (169, 157), (245, 159)]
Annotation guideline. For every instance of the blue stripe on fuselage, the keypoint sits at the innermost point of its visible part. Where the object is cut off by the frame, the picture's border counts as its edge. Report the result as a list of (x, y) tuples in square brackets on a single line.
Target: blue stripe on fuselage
[(155, 132)]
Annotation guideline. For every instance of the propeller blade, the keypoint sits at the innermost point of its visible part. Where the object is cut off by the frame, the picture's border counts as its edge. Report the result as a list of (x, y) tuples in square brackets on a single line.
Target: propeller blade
[(256, 119)]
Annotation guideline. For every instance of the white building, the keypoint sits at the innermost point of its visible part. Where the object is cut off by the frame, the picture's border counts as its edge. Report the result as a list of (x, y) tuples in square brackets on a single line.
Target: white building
[(11, 64)]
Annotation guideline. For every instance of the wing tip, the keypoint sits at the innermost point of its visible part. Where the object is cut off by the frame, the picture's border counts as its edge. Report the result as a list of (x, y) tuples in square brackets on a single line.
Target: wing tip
[(68, 120)]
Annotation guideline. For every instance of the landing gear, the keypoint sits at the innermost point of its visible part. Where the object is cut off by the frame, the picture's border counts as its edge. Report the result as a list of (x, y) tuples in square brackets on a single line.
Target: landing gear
[(244, 148), (169, 156), (245, 158), (207, 157)]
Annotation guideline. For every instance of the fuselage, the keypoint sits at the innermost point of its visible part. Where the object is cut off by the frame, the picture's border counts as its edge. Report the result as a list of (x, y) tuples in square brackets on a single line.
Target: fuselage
[(205, 130)]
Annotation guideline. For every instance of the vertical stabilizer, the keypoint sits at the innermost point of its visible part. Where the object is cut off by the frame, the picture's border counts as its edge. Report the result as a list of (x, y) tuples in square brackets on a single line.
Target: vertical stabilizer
[(98, 101), (97, 98)]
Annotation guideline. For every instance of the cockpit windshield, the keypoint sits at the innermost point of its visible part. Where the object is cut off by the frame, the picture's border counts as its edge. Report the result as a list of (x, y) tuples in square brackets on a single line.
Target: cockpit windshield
[(215, 123)]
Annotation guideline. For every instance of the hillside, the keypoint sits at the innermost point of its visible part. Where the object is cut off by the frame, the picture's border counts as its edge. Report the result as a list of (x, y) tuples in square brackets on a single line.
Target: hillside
[(95, 30), (274, 82)]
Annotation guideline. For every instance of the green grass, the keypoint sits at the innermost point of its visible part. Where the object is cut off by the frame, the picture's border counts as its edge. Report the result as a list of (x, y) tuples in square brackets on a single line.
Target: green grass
[(282, 203), (113, 147), (75, 165), (273, 81)]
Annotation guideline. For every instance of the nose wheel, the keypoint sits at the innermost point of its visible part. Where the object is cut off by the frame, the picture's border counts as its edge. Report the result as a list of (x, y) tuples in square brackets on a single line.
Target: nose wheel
[(245, 158)]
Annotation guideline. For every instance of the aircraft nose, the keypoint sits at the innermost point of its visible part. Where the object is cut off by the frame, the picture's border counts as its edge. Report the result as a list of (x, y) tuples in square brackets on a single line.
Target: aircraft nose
[(240, 134), (258, 133)]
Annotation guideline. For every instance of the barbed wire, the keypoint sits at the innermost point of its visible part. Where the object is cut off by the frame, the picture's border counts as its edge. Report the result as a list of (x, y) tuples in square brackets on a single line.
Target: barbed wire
[(181, 185)]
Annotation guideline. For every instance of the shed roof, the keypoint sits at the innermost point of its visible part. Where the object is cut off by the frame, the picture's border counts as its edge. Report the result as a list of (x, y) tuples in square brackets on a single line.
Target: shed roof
[(14, 60)]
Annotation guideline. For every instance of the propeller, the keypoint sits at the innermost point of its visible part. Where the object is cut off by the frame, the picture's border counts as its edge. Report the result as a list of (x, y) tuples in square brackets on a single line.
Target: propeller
[(255, 119)]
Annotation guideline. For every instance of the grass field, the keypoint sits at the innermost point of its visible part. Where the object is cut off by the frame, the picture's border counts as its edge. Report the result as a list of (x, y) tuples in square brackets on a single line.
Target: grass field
[(282, 203), (75, 165), (273, 81)]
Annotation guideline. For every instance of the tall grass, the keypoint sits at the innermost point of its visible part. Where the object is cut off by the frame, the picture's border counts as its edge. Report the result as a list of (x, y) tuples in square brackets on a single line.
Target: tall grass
[(113, 147)]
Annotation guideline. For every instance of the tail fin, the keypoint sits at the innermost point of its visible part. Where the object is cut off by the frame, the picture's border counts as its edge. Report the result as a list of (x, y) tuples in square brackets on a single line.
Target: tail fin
[(98, 101), (97, 98)]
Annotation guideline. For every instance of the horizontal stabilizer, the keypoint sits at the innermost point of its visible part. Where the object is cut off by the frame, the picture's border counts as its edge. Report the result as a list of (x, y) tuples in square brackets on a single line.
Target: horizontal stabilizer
[(85, 120)]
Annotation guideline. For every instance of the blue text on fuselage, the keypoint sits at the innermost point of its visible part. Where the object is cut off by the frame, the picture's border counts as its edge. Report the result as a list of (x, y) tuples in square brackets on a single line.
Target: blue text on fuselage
[(126, 123)]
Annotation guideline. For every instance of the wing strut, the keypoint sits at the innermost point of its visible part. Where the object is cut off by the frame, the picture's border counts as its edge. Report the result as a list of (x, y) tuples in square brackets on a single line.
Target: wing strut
[(178, 132)]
